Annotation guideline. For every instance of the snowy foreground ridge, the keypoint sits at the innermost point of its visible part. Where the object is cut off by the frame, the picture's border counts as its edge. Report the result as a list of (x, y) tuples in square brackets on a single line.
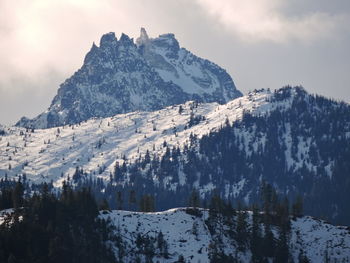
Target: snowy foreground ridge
[(53, 154), (189, 236)]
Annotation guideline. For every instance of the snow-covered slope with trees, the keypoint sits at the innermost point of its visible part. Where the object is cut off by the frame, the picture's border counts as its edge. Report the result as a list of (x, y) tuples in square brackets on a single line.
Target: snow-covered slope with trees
[(121, 76), (295, 141), (97, 144), (200, 78), (166, 236)]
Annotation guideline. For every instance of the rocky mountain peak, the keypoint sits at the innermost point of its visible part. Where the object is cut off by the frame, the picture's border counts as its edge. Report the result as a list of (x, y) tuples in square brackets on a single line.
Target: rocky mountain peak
[(169, 43), (108, 39), (122, 76), (125, 39)]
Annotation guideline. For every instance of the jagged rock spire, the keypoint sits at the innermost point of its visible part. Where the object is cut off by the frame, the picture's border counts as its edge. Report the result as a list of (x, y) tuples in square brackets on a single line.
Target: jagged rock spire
[(108, 38), (143, 39)]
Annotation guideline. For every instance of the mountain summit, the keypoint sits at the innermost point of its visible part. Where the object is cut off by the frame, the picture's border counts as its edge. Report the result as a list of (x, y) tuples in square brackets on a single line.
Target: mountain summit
[(121, 76)]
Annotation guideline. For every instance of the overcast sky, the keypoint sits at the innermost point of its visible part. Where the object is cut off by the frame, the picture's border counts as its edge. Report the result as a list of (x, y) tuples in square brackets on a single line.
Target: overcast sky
[(261, 43)]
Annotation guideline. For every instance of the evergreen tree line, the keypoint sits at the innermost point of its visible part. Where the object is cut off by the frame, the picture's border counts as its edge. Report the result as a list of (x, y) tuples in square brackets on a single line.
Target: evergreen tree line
[(47, 228), (263, 230)]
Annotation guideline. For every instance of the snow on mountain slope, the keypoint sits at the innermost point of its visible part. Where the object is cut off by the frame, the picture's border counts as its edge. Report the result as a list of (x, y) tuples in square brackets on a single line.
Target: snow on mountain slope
[(97, 144), (120, 76), (200, 78), (176, 226), (188, 235)]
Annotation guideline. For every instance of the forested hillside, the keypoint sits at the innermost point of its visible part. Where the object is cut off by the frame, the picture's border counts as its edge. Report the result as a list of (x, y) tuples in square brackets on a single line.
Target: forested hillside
[(299, 143), (74, 228)]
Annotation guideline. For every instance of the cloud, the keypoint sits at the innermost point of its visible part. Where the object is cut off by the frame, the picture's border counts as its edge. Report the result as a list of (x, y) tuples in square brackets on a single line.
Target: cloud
[(42, 42), (40, 39), (264, 20), (38, 34)]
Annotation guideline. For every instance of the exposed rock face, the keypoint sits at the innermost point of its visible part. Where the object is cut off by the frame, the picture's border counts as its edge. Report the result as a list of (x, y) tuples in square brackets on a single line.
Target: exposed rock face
[(121, 76)]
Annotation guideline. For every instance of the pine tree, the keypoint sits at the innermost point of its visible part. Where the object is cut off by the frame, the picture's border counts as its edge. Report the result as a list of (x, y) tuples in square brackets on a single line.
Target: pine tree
[(297, 207), (216, 205), (117, 172), (149, 250), (119, 200), (267, 201), (147, 203), (162, 245), (326, 256), (282, 249), (180, 109), (194, 200), (282, 214), (302, 258), (268, 244), (256, 239), (241, 229), (180, 259), (132, 199), (12, 259), (104, 205), (194, 230), (17, 195)]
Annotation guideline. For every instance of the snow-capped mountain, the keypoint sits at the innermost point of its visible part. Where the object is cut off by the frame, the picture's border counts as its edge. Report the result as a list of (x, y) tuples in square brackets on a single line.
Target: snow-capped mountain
[(189, 236), (296, 141), (121, 76)]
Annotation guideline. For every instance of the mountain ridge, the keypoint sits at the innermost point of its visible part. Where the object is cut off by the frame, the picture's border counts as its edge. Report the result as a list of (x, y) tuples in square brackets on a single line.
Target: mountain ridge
[(137, 130), (295, 141)]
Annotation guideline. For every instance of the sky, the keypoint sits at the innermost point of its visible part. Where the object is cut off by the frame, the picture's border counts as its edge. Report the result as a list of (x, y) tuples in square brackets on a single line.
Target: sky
[(261, 43)]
